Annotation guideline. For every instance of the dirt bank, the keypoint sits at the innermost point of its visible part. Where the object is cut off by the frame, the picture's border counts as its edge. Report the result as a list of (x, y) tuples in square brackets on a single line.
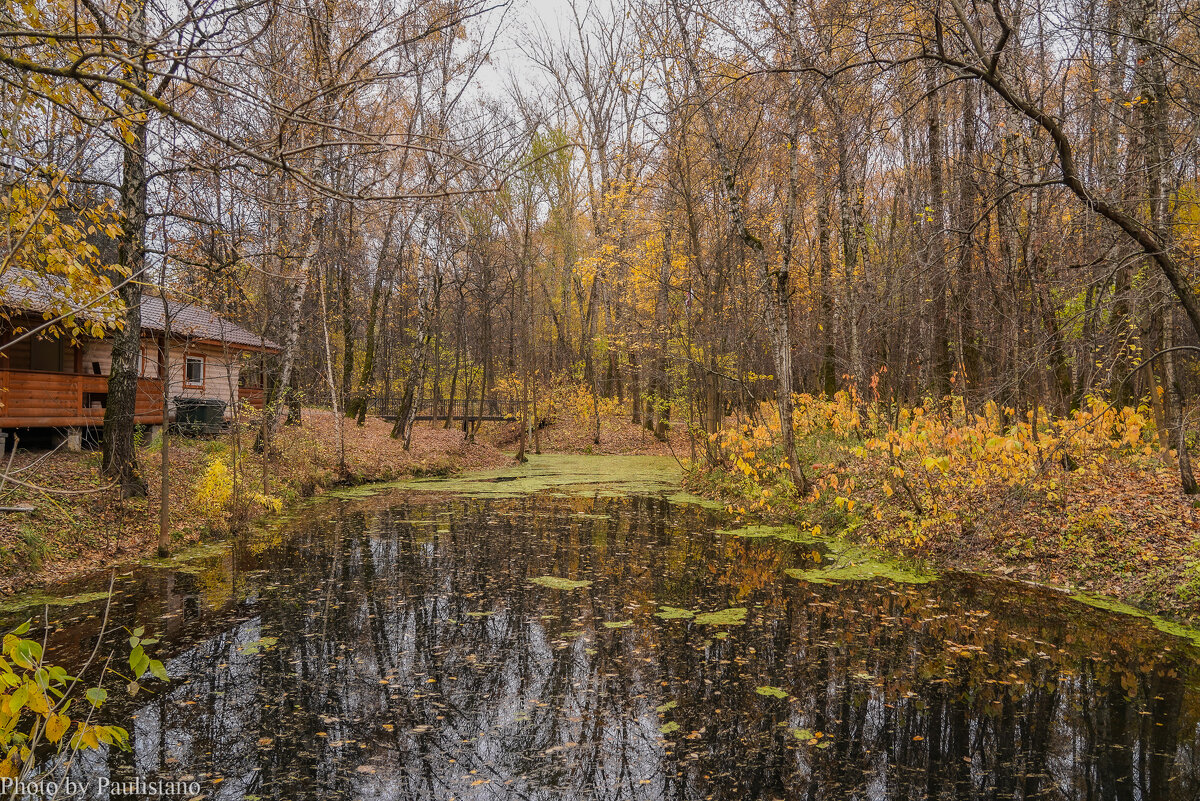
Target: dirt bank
[(69, 534), (79, 523)]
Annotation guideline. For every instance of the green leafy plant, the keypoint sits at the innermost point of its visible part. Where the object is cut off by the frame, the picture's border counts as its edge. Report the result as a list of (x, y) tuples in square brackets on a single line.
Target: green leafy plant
[(36, 706), (40, 703)]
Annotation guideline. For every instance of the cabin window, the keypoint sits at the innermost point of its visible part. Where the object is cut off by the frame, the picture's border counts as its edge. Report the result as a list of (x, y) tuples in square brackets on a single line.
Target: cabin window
[(46, 354), (194, 371), (147, 368)]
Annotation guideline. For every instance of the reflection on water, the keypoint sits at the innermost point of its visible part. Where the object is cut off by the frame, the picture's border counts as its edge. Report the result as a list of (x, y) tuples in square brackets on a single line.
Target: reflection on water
[(395, 649)]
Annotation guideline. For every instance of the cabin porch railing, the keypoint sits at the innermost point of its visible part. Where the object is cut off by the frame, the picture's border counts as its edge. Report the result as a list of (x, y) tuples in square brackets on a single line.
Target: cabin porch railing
[(251, 395), (35, 399)]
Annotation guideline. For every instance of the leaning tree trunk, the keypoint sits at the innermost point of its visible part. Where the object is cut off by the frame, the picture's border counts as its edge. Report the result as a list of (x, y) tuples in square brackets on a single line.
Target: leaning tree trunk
[(1154, 240)]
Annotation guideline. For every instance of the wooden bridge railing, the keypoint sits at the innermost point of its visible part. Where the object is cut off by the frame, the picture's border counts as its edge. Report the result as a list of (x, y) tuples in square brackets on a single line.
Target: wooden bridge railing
[(494, 409)]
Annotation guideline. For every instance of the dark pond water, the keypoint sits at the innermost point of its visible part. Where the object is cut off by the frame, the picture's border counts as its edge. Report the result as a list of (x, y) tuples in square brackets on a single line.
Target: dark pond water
[(395, 648)]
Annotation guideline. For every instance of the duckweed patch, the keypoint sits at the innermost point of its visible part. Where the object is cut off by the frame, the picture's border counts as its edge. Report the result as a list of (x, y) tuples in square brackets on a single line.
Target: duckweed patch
[(261, 644), (558, 583), (180, 559), (39, 599), (865, 570), (563, 472), (696, 500), (734, 616), (785, 533), (1162, 624), (360, 491), (851, 563)]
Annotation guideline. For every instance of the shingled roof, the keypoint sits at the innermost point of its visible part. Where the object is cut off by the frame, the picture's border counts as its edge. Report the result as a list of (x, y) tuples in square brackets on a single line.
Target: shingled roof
[(24, 290), (196, 322)]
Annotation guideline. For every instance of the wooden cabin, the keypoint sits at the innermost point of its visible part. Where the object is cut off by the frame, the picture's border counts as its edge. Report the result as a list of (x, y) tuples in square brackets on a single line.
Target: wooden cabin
[(48, 383)]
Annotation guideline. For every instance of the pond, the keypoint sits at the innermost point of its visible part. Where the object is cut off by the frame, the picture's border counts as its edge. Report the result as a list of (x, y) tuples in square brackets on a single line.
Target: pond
[(596, 644)]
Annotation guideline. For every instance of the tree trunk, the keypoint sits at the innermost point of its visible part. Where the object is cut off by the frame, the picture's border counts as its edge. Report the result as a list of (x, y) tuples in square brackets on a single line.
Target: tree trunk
[(427, 292), (1150, 78), (825, 316), (939, 335), (774, 282), (118, 455), (969, 356)]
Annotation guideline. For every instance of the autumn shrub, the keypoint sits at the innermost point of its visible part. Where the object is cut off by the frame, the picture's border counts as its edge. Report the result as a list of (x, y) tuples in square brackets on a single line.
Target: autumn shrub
[(916, 467), (221, 507)]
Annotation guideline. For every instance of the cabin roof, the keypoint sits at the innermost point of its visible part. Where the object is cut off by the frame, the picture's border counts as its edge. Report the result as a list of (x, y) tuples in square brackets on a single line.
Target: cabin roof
[(25, 290), (187, 319), (197, 322)]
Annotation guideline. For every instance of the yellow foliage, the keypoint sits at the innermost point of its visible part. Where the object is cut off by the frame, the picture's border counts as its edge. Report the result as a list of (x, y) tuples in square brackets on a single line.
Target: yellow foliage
[(929, 460), (214, 500), (43, 247), (213, 490), (34, 705)]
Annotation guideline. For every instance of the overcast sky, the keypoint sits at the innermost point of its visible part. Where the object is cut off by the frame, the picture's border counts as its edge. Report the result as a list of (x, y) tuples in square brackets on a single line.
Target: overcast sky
[(522, 18)]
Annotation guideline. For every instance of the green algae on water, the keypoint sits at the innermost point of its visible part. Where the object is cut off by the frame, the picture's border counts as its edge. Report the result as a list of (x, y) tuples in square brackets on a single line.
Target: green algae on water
[(1163, 625), (852, 563), (209, 550), (771, 692), (261, 644), (357, 491), (564, 473), (680, 498), (557, 583), (785, 533), (864, 570), (39, 599), (734, 616), (619, 624), (674, 613)]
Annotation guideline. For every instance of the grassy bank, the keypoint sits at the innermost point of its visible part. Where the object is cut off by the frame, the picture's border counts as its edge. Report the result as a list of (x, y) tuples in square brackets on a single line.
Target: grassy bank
[(1088, 502), (217, 486)]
